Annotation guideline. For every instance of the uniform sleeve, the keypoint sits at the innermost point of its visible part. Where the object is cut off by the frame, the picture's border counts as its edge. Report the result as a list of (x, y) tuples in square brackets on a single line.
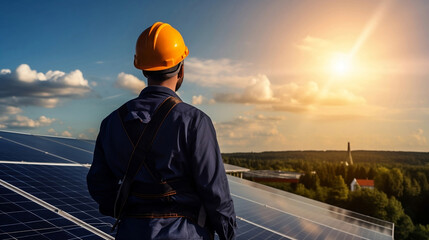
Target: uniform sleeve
[(211, 181), (102, 183)]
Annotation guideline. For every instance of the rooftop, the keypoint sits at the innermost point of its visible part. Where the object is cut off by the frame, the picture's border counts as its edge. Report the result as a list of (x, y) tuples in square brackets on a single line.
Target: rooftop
[(365, 182)]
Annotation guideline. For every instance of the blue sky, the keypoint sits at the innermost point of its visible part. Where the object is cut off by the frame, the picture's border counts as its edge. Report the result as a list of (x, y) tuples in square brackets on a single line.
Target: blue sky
[(272, 75)]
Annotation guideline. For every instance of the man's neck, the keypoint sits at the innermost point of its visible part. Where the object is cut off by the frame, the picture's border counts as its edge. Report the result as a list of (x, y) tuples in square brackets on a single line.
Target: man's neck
[(169, 83)]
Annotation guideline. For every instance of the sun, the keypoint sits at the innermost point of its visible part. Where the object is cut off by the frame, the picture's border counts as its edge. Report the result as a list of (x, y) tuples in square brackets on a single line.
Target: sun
[(340, 64)]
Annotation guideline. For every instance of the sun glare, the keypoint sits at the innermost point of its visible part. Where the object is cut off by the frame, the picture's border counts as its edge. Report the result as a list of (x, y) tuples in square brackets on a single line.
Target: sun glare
[(340, 65)]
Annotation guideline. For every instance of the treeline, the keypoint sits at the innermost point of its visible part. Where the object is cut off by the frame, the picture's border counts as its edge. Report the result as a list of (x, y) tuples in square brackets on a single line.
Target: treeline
[(376, 157), (401, 181)]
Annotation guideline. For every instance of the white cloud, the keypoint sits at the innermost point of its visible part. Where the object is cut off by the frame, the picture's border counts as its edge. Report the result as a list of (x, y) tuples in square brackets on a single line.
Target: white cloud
[(52, 131), (74, 78), (49, 102), (25, 86), (20, 121), (257, 91), (311, 94), (90, 133), (240, 86), (414, 141), (4, 118), (268, 118), (46, 121), (10, 110), (66, 134), (130, 82), (419, 137), (25, 74), (111, 97), (5, 71), (215, 73), (197, 100), (30, 101), (290, 97), (250, 133), (82, 136), (310, 43)]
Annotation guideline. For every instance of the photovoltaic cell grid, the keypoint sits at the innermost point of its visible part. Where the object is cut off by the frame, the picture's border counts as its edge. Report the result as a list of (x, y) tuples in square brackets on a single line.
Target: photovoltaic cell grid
[(61, 186), (65, 150), (87, 145), (273, 207), (262, 212), (11, 151), (21, 218), (339, 213)]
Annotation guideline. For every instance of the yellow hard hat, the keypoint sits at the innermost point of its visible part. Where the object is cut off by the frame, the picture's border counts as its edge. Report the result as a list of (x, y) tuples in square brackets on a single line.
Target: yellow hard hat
[(159, 47)]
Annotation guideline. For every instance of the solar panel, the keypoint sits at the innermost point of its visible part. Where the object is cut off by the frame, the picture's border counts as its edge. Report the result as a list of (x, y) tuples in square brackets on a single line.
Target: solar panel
[(13, 151), (251, 231), (232, 168), (61, 186), (256, 201), (22, 218), (53, 148), (79, 144), (53, 173)]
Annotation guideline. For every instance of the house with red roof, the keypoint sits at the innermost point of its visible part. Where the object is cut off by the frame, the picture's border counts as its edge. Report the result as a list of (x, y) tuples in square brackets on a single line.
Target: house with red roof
[(361, 183)]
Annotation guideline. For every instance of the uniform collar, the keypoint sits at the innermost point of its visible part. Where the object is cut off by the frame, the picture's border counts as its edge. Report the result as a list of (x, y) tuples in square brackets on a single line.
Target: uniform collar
[(157, 89), (149, 91)]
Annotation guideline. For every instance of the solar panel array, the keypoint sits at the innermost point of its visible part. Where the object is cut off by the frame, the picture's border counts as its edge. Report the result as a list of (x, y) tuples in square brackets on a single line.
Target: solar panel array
[(234, 169), (43, 195)]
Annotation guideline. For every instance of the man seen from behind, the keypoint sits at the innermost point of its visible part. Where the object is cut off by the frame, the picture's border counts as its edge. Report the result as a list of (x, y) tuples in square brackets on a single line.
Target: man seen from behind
[(179, 189)]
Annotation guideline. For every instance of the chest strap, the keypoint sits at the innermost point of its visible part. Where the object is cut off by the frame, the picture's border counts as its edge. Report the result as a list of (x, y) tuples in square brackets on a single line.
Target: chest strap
[(138, 157)]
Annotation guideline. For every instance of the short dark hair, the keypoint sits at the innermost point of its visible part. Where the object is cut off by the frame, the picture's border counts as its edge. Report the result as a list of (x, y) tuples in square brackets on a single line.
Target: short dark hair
[(162, 75)]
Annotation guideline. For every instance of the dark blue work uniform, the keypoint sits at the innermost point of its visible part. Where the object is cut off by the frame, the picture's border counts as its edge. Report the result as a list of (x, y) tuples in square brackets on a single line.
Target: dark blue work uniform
[(185, 147)]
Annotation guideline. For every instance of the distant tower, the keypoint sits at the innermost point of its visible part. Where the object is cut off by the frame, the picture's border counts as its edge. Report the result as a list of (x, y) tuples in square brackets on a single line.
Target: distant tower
[(349, 159)]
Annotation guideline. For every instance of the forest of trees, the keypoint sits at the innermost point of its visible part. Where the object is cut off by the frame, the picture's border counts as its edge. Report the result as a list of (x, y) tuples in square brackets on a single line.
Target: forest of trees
[(401, 193)]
